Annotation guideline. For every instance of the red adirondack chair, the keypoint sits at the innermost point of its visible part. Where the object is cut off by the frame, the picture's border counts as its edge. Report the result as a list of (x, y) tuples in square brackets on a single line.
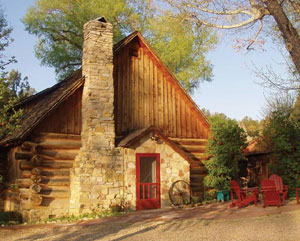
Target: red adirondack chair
[(283, 189), (243, 199), (271, 195)]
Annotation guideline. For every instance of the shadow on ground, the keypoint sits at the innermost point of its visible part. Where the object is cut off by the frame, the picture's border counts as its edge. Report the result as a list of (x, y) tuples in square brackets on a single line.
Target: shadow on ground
[(131, 225)]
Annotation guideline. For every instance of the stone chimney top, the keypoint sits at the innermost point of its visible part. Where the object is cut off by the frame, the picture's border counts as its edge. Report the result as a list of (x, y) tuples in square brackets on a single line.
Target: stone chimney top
[(101, 19)]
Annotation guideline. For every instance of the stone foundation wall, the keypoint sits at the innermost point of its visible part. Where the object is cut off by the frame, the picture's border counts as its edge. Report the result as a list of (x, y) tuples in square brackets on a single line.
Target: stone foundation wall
[(172, 168)]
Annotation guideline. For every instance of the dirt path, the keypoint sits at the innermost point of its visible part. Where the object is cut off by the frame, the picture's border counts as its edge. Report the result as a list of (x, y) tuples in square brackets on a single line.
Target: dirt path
[(210, 222)]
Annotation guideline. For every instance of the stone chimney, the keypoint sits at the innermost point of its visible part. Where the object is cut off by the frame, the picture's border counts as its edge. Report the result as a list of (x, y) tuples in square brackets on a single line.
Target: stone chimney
[(95, 177), (98, 131)]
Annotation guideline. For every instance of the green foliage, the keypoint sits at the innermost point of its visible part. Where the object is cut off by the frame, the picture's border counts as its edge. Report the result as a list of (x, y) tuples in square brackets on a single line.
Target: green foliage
[(282, 132), (58, 24), (209, 196), (85, 216), (10, 218), (12, 89), (12, 86), (182, 48), (224, 145), (5, 41), (253, 127)]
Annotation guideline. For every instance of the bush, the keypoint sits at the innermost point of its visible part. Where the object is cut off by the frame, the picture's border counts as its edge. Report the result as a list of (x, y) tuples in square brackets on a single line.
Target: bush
[(10, 217), (225, 144), (282, 132)]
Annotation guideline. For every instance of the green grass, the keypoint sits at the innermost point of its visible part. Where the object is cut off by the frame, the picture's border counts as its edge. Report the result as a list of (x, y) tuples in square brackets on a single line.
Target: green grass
[(10, 218), (80, 217)]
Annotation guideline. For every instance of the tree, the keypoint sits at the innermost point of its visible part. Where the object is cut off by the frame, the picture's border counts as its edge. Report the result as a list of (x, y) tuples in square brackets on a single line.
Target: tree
[(252, 127), (282, 133), (58, 25), (12, 86), (245, 14), (225, 145), (12, 89), (5, 41)]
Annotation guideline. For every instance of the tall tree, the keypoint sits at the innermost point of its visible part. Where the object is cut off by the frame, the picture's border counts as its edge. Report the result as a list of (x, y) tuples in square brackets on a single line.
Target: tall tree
[(237, 14), (282, 133), (12, 86), (58, 25), (252, 127), (5, 41)]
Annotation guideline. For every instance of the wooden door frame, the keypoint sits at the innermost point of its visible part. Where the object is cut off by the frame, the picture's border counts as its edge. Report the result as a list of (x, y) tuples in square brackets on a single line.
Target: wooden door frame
[(157, 157)]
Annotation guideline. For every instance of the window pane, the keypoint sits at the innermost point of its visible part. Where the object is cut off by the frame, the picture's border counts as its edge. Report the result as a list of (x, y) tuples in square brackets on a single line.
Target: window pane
[(148, 170)]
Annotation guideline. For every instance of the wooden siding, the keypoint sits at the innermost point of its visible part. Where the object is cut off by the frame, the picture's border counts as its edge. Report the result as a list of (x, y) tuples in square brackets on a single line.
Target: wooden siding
[(65, 119), (145, 95)]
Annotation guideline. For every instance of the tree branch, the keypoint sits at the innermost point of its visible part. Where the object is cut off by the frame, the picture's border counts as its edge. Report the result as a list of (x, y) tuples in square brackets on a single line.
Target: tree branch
[(51, 32), (256, 35), (70, 64), (238, 25), (256, 12)]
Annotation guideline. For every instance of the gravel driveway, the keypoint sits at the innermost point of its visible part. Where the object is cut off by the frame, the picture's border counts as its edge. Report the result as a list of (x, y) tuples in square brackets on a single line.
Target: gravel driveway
[(211, 222)]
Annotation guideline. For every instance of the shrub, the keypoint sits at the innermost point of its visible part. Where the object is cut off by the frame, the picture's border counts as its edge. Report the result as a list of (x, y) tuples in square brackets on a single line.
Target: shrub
[(282, 132), (10, 217), (224, 145)]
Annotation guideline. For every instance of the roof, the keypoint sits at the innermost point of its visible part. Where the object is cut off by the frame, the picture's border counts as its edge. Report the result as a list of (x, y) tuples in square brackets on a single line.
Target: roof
[(47, 100), (41, 104), (257, 147), (135, 136)]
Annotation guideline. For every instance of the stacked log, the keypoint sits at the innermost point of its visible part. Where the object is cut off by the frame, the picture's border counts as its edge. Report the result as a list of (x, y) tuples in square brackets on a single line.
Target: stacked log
[(195, 149), (45, 161)]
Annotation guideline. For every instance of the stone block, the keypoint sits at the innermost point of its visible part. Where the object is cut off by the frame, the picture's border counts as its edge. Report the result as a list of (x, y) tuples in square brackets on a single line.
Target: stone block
[(129, 197), (131, 165), (181, 173)]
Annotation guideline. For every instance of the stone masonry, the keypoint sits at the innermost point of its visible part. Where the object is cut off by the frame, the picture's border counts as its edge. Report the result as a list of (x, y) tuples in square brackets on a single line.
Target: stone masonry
[(97, 174), (172, 168), (103, 175)]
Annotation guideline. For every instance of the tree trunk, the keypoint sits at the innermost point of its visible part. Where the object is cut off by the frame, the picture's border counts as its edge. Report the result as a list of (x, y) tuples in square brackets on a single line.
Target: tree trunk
[(289, 33)]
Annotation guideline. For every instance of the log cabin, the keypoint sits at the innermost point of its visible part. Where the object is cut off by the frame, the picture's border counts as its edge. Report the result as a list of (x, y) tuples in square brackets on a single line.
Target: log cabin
[(120, 130)]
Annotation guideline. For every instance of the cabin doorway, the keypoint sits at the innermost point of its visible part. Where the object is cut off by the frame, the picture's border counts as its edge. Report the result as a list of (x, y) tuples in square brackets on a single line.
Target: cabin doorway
[(147, 181)]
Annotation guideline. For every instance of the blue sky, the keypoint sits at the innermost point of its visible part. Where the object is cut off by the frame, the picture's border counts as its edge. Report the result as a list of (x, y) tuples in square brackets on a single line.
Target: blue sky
[(233, 90)]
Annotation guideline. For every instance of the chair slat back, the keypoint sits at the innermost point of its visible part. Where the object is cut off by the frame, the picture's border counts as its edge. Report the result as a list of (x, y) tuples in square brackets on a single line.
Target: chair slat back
[(270, 193), (278, 182), (236, 188), (268, 184)]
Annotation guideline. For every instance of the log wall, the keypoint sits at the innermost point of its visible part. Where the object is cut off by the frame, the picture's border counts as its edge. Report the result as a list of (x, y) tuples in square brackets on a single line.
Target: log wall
[(43, 173), (66, 118), (146, 94)]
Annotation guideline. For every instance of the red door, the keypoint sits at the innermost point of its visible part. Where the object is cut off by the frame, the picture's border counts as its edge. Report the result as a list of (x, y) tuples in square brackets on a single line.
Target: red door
[(147, 181)]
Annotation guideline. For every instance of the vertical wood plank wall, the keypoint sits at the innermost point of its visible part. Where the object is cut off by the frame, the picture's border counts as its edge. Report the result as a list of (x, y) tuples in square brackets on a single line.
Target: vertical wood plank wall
[(66, 119), (146, 95)]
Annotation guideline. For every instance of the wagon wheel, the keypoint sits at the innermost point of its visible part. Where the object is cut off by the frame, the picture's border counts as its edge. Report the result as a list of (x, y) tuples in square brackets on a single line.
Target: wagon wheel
[(180, 193)]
